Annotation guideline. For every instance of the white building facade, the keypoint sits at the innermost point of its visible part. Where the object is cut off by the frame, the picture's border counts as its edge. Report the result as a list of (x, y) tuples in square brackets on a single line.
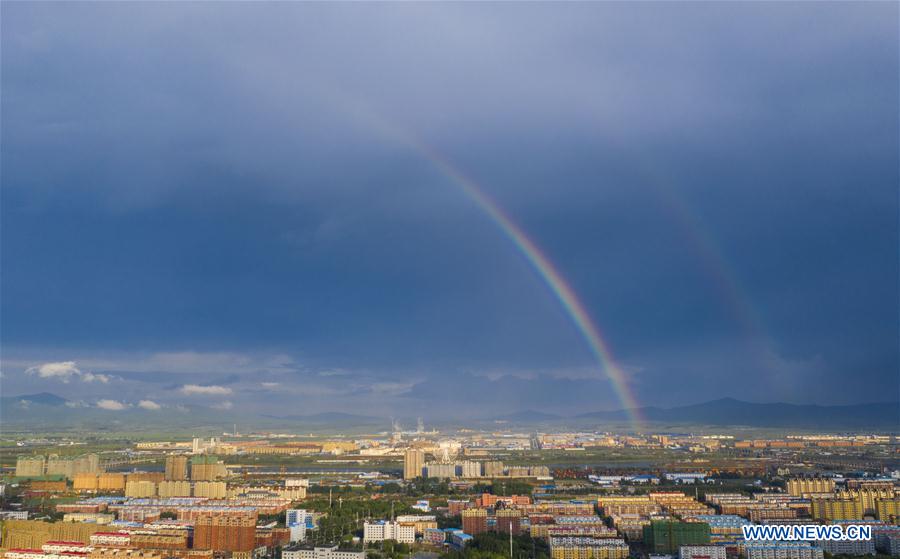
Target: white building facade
[(384, 530)]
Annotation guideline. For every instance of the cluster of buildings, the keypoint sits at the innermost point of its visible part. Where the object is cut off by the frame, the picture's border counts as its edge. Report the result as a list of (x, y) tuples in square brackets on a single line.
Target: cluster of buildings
[(216, 445), (572, 528), (198, 476), (195, 510), (403, 529), (415, 465), (184, 508), (200, 530), (53, 465), (673, 523), (483, 445)]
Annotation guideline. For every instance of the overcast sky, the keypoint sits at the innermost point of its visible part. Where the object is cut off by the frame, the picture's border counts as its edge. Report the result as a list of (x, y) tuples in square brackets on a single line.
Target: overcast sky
[(230, 204)]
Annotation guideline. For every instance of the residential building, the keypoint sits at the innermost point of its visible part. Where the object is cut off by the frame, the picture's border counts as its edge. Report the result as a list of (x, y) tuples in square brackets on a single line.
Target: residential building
[(210, 489), (225, 532), (93, 517), (782, 550), (837, 509), (456, 506), (32, 534), (207, 468), (413, 462), (888, 510), (474, 521), (299, 516), (86, 481), (324, 552), (177, 467), (803, 486), (440, 470), (111, 482), (139, 489), (174, 489), (847, 547), (111, 539), (68, 467), (489, 500), (297, 532), (30, 466), (469, 469), (420, 522), (701, 552), (509, 521), (588, 548), (386, 530)]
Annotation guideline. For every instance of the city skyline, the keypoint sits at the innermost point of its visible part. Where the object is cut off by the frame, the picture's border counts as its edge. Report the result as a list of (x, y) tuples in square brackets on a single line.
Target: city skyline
[(449, 208)]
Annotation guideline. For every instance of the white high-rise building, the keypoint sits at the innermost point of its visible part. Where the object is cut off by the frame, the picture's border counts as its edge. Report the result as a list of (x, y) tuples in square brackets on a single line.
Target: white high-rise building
[(470, 469), (297, 516), (298, 532), (385, 530)]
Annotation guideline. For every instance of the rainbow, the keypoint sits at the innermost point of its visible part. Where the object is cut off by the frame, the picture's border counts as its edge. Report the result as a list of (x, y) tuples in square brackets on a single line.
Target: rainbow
[(729, 288), (551, 276), (538, 260)]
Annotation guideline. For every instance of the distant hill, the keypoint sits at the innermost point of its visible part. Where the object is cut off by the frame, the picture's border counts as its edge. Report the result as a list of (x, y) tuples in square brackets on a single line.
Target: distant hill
[(730, 411), (531, 416), (330, 418), (50, 410)]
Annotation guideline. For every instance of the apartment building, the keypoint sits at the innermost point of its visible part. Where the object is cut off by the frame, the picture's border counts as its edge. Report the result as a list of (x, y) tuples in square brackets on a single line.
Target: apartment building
[(324, 552), (386, 530)]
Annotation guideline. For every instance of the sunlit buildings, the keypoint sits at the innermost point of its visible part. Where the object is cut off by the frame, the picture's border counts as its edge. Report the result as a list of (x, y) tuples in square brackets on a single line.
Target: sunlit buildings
[(782, 550), (35, 466), (139, 489), (804, 486), (419, 522), (329, 552), (836, 509), (587, 548), (207, 468), (225, 532), (30, 466), (173, 488), (701, 552), (474, 521), (210, 489), (413, 463), (177, 467), (508, 521), (386, 530)]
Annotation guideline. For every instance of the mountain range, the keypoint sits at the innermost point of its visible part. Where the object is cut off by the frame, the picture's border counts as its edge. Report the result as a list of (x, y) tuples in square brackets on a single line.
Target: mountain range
[(733, 412), (47, 409)]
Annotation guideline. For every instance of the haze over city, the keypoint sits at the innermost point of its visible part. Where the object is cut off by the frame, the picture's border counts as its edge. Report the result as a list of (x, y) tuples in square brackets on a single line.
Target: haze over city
[(450, 210)]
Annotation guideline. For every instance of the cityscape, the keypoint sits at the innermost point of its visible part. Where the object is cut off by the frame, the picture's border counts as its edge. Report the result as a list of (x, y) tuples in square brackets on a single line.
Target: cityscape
[(449, 280), (564, 495)]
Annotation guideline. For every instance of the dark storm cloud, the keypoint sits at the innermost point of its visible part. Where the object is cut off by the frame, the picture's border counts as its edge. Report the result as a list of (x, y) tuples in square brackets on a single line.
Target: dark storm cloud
[(230, 184)]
